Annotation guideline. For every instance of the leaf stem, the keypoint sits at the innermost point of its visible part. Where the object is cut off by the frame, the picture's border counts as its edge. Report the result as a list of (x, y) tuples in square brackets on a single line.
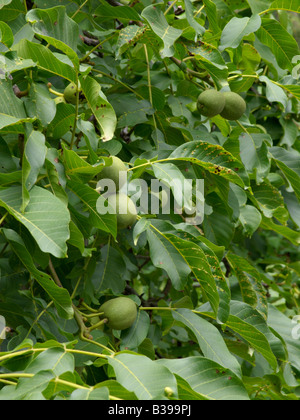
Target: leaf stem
[(170, 7), (3, 218), (148, 74), (148, 163), (92, 315), (199, 11), (243, 128), (236, 76), (95, 343), (40, 350), (99, 324), (78, 10), (95, 311)]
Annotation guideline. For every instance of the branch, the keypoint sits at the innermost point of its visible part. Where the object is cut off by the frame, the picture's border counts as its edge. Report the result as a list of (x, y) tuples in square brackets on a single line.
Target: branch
[(19, 93)]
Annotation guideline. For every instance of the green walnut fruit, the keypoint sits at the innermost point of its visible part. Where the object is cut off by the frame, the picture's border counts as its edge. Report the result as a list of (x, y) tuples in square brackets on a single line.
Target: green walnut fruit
[(125, 210), (71, 92), (210, 103), (113, 172), (235, 106), (60, 100), (121, 313)]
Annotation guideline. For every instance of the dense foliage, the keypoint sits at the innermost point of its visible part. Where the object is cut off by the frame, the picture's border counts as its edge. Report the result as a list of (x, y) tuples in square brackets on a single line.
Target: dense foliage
[(217, 304)]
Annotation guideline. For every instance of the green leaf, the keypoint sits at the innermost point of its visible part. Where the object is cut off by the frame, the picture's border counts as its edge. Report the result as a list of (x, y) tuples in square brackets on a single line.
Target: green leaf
[(33, 161), (189, 11), (186, 393), (265, 342), (221, 282), (288, 5), (254, 154), (119, 12), (160, 26), (212, 61), (117, 390), (250, 219), (89, 197), (211, 12), (11, 178), (259, 6), (208, 378), (55, 27), (128, 36), (164, 255), (209, 339), (53, 359), (236, 29), (109, 271), (289, 163), (130, 110), (45, 59), (141, 375), (270, 201), (28, 388), (218, 225), (250, 283), (196, 259), (90, 394), (7, 163), (62, 122), (75, 166), (76, 237), (171, 176), (10, 10), (40, 105), (60, 297), (4, 3), (211, 157), (101, 108), (292, 89), (46, 218), (288, 330), (7, 37), (137, 333), (274, 92), (291, 235), (56, 175), (282, 44), (11, 108)]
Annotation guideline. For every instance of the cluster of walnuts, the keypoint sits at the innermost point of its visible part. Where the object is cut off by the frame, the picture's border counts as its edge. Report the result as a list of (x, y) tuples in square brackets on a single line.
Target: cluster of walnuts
[(229, 105)]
